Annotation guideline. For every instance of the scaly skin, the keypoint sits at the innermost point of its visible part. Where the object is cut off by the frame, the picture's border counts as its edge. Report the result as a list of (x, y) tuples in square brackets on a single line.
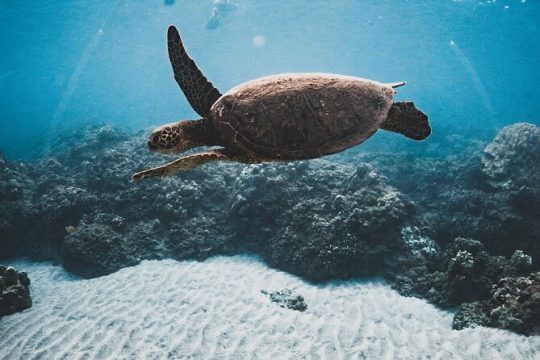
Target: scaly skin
[(278, 118)]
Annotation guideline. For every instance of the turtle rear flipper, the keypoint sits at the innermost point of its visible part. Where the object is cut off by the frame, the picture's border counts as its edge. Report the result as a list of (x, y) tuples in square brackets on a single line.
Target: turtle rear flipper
[(200, 92), (404, 118)]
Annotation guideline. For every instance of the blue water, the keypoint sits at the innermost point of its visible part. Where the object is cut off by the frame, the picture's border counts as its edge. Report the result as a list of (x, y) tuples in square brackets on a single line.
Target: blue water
[(472, 66)]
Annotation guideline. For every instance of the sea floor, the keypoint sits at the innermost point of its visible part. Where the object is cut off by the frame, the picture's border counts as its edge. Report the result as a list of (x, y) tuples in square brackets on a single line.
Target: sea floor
[(215, 310)]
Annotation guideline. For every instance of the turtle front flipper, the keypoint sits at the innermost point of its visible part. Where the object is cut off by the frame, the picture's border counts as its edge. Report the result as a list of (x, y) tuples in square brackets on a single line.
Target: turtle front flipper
[(189, 162), (404, 118), (200, 92)]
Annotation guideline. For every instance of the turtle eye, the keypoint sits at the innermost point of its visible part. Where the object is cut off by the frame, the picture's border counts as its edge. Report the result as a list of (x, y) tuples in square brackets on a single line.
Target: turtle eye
[(155, 139)]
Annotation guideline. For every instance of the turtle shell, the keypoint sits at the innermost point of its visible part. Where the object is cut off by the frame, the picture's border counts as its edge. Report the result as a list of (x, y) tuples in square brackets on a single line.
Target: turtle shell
[(300, 116)]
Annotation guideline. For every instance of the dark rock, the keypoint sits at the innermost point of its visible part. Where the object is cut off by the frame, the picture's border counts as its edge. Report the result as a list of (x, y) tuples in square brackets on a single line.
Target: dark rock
[(422, 247), (16, 207), (96, 250), (521, 261), (24, 280), (287, 299), (489, 193), (470, 245), (461, 264), (514, 305), (463, 272), (470, 315), (10, 277), (348, 226), (511, 160), (14, 291)]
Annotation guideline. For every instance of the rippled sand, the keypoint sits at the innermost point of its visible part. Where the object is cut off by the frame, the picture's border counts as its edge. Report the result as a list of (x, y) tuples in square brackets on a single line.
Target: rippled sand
[(215, 310)]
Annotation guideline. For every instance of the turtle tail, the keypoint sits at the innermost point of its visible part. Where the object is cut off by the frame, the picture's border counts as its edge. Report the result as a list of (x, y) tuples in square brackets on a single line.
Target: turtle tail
[(404, 118)]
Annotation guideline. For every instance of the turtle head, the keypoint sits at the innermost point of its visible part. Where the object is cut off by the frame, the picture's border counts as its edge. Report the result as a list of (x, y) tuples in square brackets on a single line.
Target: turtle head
[(170, 138)]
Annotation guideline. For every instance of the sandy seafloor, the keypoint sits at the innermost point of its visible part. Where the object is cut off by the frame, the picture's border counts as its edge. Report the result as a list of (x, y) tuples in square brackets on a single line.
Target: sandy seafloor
[(215, 310)]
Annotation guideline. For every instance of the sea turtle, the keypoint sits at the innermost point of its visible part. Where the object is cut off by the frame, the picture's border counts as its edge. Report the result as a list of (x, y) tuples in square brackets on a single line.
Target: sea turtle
[(283, 117)]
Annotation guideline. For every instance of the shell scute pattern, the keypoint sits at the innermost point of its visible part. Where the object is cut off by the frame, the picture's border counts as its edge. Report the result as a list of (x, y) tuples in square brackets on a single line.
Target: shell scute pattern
[(301, 116)]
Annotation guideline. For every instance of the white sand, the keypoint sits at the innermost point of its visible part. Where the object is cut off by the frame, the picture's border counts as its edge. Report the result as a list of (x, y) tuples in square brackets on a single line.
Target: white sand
[(215, 310)]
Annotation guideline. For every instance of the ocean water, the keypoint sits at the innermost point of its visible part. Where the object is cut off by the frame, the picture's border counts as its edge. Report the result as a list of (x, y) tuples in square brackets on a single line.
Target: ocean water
[(471, 65), (385, 241)]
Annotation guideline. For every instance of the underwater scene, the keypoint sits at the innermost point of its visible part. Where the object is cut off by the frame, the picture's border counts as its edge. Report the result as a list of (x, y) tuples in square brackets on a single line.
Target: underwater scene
[(248, 179)]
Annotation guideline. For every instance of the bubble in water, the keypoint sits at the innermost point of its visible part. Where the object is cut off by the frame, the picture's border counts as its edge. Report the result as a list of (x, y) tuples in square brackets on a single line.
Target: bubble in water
[(259, 41)]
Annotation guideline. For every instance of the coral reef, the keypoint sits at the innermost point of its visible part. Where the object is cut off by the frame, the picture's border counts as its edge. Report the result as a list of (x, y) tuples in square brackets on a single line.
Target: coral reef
[(514, 304), (470, 315), (348, 225), (462, 271), (14, 293), (444, 228), (96, 249), (487, 192), (16, 208), (85, 212), (285, 298), (511, 159)]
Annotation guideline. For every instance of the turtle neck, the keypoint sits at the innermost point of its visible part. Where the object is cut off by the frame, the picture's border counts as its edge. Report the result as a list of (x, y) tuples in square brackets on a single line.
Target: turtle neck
[(201, 132)]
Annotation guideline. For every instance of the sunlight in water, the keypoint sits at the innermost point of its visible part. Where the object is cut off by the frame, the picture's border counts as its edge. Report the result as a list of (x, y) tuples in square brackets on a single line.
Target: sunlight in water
[(477, 82), (259, 41)]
